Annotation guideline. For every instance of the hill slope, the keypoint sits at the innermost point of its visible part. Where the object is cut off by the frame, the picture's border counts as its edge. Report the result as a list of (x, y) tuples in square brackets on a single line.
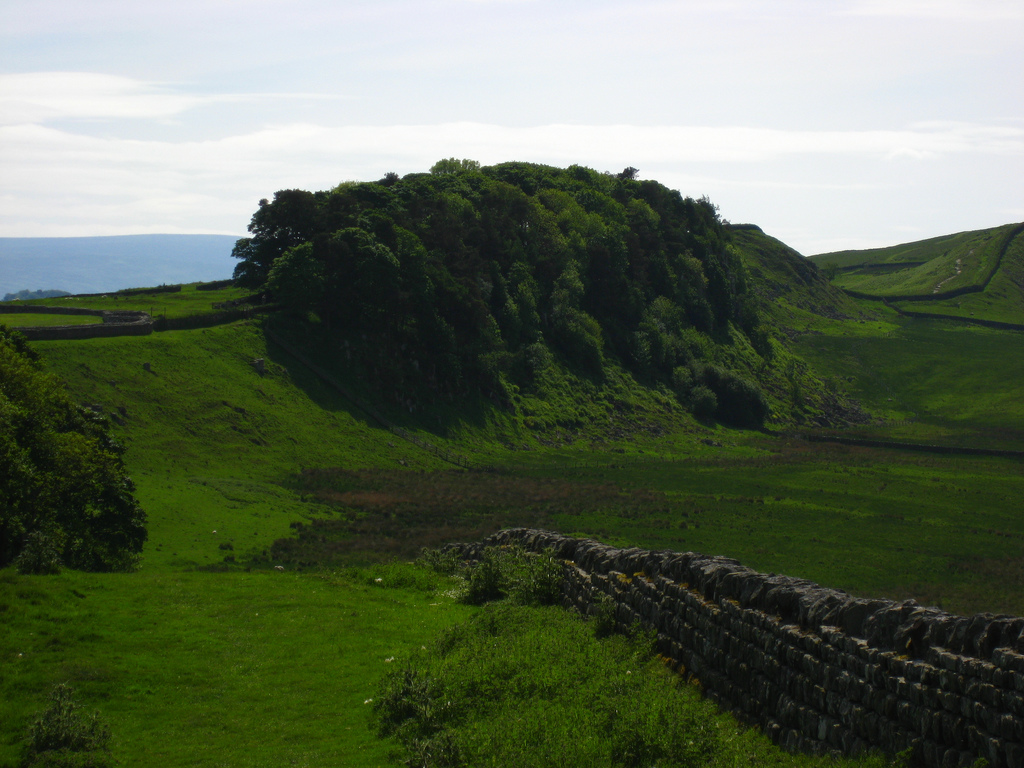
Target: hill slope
[(476, 281), (212, 663), (976, 275)]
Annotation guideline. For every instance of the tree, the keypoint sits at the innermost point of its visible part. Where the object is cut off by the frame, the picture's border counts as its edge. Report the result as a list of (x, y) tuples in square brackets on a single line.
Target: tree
[(628, 174), (297, 279), (290, 220), (63, 487), (454, 165)]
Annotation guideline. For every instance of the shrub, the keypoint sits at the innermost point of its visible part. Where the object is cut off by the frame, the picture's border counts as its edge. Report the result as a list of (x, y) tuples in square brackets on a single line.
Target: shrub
[(444, 562), (63, 738), (703, 403), (40, 554), (61, 474), (603, 615), (484, 582), (682, 381), (525, 578), (741, 403), (532, 579)]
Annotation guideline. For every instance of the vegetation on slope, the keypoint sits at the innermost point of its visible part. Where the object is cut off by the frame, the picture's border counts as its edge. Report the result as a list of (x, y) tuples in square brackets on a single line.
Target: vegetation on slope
[(222, 660), (474, 279), (540, 686), (968, 275), (65, 498)]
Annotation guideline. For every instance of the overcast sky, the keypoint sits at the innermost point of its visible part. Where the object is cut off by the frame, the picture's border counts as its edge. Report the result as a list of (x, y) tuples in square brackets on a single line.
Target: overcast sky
[(830, 123)]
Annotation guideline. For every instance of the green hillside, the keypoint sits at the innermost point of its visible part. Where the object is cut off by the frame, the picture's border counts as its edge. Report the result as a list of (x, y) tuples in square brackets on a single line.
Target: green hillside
[(275, 593), (977, 275), (224, 457)]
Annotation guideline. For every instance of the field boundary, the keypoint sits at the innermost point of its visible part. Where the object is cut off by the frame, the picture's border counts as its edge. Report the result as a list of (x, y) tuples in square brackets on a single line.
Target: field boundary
[(818, 670), (124, 322), (113, 323)]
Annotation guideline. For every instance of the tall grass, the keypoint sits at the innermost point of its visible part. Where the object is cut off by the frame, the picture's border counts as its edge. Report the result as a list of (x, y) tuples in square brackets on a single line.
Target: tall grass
[(535, 687)]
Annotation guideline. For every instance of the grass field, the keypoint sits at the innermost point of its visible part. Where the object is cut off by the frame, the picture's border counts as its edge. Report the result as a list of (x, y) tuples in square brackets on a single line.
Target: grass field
[(1002, 300), (937, 381), (194, 668), (189, 301), (209, 656)]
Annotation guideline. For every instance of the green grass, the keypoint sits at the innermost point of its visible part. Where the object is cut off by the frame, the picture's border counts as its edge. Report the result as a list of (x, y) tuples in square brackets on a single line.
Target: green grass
[(211, 443), (914, 252), (941, 381), (1001, 301), (177, 661), (938, 265), (534, 687), (189, 301), (942, 529), (193, 668)]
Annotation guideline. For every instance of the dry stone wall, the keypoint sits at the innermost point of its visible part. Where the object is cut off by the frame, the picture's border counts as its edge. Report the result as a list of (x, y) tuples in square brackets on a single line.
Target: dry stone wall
[(112, 323), (818, 670)]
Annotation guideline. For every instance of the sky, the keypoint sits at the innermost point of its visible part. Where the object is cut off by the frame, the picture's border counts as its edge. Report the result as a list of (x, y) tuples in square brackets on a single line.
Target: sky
[(832, 124)]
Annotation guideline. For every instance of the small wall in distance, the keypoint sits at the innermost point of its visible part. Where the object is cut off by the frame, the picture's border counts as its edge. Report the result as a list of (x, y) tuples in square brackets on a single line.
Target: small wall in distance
[(114, 323), (818, 670)]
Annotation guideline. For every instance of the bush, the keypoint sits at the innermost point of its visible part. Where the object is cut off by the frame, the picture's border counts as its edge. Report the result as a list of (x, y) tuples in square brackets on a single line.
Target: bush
[(483, 582), (63, 738), (525, 578), (741, 403), (703, 403), (603, 615), (61, 475), (682, 381), (40, 554), (532, 579)]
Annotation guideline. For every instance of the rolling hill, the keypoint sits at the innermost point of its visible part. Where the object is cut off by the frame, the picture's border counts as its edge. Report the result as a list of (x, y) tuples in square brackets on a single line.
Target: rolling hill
[(248, 460), (971, 275)]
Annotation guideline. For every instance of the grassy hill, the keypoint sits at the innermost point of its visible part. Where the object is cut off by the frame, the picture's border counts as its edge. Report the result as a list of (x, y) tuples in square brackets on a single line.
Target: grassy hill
[(210, 656), (972, 275)]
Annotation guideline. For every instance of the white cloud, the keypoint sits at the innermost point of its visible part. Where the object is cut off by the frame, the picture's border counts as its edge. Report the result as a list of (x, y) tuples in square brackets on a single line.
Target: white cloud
[(965, 10), (57, 182), (37, 97), (46, 97)]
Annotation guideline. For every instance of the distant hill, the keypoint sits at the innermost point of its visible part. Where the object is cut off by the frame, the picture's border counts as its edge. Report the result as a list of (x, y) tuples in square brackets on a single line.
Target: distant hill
[(977, 274), (27, 295), (98, 264)]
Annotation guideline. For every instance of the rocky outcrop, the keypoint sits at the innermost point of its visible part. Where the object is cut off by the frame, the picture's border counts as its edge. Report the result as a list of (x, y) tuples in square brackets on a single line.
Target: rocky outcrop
[(819, 670)]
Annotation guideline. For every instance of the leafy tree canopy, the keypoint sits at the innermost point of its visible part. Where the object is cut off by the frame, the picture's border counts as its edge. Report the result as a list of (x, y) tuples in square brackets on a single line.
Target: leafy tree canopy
[(460, 273), (64, 496)]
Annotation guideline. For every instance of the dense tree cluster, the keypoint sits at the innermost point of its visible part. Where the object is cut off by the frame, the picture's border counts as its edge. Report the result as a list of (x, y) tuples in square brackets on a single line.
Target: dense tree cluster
[(473, 276), (64, 496)]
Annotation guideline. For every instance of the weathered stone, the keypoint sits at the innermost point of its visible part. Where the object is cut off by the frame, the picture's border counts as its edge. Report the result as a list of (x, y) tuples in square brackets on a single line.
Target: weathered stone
[(822, 672)]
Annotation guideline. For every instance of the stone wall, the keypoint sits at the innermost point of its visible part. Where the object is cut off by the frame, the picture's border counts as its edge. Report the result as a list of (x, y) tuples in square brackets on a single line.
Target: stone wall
[(113, 323), (816, 669)]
